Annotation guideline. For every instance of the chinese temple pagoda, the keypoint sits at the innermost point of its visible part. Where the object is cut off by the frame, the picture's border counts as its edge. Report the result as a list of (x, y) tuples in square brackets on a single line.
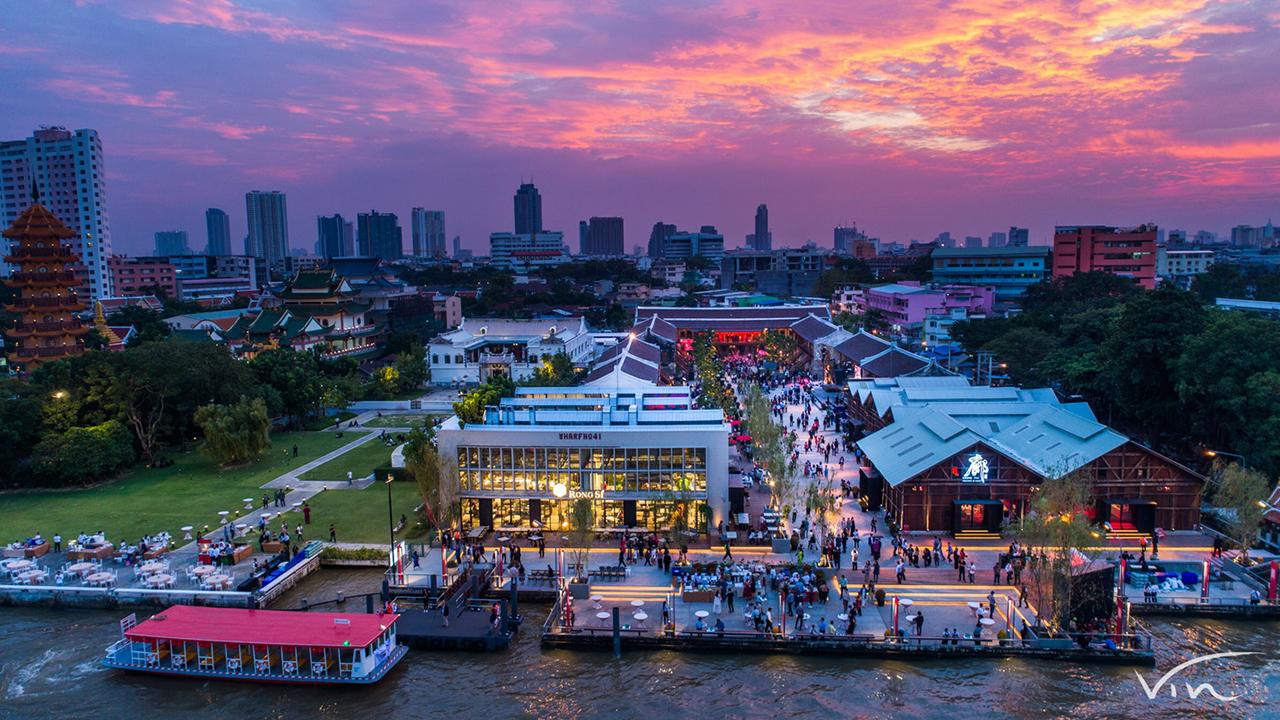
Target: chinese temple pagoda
[(44, 280)]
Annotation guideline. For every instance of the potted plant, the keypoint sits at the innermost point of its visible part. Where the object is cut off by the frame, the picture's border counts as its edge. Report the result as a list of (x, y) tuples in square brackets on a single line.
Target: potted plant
[(879, 597), (1003, 637)]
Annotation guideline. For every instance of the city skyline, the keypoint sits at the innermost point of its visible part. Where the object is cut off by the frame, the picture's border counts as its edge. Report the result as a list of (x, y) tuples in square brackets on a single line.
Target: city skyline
[(967, 119)]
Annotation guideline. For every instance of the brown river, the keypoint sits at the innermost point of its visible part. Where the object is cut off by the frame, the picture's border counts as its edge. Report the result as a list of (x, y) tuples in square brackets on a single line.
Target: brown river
[(49, 668)]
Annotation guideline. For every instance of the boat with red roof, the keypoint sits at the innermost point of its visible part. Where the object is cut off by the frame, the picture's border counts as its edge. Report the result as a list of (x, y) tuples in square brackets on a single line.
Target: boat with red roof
[(260, 645)]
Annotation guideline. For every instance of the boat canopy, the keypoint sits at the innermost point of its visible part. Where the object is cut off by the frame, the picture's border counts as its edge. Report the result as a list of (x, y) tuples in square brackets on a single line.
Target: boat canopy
[(234, 626)]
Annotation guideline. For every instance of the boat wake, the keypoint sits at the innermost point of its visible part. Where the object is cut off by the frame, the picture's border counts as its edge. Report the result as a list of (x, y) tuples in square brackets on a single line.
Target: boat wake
[(18, 686)]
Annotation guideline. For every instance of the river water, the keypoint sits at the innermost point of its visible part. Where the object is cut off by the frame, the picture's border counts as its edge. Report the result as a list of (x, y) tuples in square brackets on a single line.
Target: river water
[(49, 669)]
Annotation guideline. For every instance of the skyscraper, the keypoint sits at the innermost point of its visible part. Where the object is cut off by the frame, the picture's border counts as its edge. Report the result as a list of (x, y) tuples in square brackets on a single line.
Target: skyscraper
[(457, 246), (997, 239), (172, 242), (658, 238), (334, 237), (603, 236), (428, 232), (528, 205), (972, 241), (217, 228), (67, 169), (843, 237), (268, 225), (763, 238), (379, 235), (1018, 237)]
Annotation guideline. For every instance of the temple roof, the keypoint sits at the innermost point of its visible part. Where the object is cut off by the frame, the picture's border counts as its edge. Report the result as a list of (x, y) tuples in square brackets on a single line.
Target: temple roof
[(38, 222)]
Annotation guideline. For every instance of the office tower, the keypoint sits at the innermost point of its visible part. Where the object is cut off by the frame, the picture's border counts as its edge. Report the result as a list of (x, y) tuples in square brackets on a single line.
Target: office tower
[(217, 227), (763, 238), (528, 205), (658, 238), (379, 235), (457, 246), (997, 239), (268, 225), (1018, 237), (944, 239), (67, 170), (428, 232), (334, 237), (1128, 252), (707, 242), (583, 228), (1176, 237), (603, 236), (842, 242), (514, 251), (171, 242), (972, 241)]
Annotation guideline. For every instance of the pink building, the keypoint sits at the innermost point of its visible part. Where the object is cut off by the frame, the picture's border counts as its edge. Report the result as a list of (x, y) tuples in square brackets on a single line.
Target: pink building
[(905, 304)]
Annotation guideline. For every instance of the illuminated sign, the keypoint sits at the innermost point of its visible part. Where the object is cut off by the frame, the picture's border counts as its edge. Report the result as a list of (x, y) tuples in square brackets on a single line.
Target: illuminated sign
[(586, 494), (579, 436), (977, 470), (559, 490)]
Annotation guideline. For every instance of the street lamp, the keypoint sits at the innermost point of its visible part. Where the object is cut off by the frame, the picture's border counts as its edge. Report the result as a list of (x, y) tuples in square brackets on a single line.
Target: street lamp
[(1215, 453)]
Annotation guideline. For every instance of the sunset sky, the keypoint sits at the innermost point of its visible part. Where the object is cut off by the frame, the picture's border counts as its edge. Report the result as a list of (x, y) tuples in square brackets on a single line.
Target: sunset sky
[(907, 118)]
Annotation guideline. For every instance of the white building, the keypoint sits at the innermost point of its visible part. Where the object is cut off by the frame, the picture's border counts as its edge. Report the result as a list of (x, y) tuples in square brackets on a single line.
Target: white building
[(481, 347), (268, 217), (1179, 266), (428, 232), (522, 251), (67, 169), (640, 455)]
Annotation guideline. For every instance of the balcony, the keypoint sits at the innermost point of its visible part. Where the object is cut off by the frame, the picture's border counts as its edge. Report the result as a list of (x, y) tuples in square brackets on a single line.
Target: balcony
[(66, 302), (505, 358), (27, 253), (50, 327), (45, 352), (44, 278)]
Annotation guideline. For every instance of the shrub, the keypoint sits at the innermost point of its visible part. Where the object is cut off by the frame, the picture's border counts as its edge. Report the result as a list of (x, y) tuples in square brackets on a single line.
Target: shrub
[(81, 455)]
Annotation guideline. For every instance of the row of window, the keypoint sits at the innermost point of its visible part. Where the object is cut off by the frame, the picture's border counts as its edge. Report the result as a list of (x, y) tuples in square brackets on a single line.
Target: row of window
[(618, 459), (548, 482), (554, 514)]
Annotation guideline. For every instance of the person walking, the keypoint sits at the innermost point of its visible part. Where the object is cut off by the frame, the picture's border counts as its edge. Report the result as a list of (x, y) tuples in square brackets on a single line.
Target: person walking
[(306, 512), (57, 542), (1022, 596), (333, 533), (728, 554)]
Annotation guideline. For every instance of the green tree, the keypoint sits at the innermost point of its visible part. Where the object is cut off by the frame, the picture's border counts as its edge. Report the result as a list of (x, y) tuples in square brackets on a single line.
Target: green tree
[(779, 346), (82, 455), (555, 371), (436, 478), (411, 365), (148, 325), (470, 409), (1057, 526), (296, 379), (1141, 354), (235, 433), (1240, 493), (582, 521), (20, 409)]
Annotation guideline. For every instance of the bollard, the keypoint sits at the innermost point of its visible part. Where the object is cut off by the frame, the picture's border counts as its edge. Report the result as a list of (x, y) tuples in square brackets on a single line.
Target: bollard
[(368, 603), (617, 633), (515, 604), (303, 603), (342, 597)]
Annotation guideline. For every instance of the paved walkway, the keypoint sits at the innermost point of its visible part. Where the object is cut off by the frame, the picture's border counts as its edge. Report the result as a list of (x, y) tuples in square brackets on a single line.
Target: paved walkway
[(291, 478)]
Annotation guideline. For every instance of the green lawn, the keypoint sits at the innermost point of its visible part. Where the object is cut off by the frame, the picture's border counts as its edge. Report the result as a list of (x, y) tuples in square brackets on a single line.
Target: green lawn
[(147, 500), (361, 515), (360, 461), (399, 420)]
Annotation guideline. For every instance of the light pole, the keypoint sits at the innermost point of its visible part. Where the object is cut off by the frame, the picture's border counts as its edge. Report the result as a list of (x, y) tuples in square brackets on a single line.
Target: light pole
[(1215, 453)]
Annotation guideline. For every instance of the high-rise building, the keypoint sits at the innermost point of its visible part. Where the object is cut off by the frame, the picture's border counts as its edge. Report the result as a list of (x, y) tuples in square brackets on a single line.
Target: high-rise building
[(457, 246), (658, 238), (583, 228), (603, 236), (944, 239), (379, 235), (1019, 237), (763, 238), (842, 242), (428, 232), (171, 242), (67, 170), (334, 237), (268, 225), (972, 241), (1128, 252), (528, 204), (997, 239), (217, 227), (707, 243)]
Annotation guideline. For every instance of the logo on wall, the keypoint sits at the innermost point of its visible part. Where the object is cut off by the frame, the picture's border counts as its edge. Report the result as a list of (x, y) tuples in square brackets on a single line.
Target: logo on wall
[(977, 470), (579, 436), (586, 494)]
